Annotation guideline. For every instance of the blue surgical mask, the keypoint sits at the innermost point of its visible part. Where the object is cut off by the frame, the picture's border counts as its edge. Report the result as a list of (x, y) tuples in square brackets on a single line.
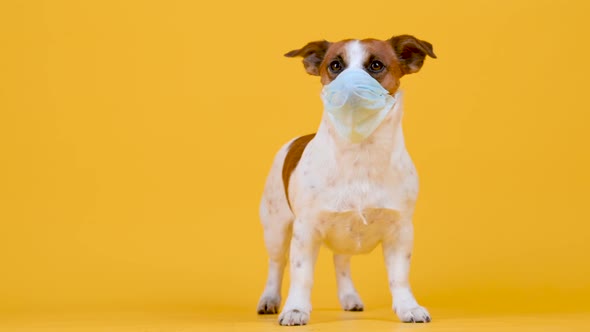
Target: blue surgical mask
[(356, 104)]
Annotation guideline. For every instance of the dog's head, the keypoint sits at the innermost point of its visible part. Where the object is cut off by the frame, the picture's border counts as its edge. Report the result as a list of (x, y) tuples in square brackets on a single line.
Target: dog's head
[(385, 60)]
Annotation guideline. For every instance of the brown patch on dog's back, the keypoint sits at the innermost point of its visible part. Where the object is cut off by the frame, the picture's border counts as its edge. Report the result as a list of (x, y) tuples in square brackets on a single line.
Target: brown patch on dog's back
[(292, 158)]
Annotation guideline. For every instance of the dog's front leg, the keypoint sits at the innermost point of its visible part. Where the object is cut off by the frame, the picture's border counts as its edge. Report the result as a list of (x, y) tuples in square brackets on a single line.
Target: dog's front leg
[(397, 252), (347, 294), (305, 246)]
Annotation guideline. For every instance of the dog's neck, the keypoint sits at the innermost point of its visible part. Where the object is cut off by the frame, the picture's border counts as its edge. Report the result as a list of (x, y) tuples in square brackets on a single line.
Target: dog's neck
[(387, 138)]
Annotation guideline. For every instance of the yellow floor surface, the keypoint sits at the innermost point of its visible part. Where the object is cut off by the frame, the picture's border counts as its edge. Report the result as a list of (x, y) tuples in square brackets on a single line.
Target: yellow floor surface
[(322, 320)]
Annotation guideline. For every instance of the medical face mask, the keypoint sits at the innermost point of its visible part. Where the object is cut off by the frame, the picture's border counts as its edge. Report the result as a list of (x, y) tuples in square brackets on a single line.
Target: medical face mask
[(356, 104)]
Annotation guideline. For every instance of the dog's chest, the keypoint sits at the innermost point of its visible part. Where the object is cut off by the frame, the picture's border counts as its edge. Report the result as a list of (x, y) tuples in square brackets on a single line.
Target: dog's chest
[(356, 232), (354, 197), (367, 176), (356, 205)]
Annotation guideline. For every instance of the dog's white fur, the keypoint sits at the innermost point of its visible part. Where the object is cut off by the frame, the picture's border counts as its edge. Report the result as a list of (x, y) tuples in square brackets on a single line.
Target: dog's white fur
[(350, 197)]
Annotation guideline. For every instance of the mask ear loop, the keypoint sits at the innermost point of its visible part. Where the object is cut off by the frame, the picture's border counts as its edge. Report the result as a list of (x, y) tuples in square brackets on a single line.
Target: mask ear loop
[(397, 105)]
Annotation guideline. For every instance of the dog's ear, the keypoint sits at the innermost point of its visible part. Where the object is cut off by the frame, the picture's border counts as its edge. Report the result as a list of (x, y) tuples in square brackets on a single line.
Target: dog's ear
[(411, 52), (313, 54)]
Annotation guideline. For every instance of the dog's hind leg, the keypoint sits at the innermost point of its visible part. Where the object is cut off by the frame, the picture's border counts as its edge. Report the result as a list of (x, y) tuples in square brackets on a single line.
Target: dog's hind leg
[(277, 220), (347, 294), (277, 238)]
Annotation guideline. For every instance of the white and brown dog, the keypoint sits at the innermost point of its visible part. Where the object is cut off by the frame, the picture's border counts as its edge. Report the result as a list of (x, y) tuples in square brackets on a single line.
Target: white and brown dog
[(350, 186)]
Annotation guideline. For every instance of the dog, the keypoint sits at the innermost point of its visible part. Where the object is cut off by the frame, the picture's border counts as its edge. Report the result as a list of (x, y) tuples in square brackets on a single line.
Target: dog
[(350, 186)]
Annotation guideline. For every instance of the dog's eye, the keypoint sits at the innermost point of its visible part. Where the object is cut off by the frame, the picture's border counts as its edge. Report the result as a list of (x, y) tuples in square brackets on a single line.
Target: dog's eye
[(335, 66), (376, 66)]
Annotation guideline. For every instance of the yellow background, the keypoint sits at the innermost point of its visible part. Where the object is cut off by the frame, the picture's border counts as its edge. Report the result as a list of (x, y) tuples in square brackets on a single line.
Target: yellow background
[(135, 138)]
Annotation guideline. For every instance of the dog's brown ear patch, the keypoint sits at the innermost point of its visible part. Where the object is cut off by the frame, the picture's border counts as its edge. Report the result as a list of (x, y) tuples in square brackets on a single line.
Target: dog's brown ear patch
[(411, 52), (313, 54)]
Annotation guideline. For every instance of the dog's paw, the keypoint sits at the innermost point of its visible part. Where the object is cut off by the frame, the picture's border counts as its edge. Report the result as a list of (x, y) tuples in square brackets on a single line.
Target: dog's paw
[(413, 315), (293, 317), (352, 302), (268, 305)]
